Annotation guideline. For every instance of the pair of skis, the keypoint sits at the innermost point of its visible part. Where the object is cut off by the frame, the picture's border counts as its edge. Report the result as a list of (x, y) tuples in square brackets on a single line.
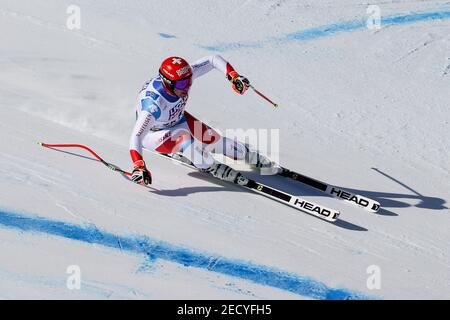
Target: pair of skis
[(281, 196), (345, 195), (301, 204)]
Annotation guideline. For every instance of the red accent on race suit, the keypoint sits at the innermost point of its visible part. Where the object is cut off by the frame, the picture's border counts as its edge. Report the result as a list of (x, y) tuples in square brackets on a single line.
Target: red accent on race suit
[(229, 68), (172, 144), (197, 129), (135, 156), (201, 131)]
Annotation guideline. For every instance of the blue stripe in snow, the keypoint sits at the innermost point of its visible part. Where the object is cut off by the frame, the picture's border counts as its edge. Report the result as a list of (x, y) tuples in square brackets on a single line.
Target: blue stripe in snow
[(166, 35), (154, 249), (329, 30)]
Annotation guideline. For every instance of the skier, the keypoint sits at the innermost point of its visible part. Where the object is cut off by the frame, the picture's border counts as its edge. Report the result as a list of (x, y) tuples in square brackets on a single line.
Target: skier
[(163, 126)]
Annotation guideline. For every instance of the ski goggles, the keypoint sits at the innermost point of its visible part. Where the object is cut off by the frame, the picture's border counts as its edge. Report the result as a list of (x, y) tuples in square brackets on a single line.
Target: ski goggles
[(183, 84)]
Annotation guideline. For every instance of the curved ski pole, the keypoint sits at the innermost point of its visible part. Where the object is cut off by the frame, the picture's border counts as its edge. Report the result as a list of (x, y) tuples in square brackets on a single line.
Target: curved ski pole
[(109, 165), (263, 96)]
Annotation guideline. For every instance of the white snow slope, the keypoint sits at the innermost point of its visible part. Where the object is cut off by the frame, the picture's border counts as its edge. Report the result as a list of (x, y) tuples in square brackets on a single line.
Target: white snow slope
[(363, 109)]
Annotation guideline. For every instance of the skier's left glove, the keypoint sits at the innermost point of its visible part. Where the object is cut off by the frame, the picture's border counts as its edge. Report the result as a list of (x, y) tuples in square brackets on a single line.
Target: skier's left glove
[(240, 83), (141, 174)]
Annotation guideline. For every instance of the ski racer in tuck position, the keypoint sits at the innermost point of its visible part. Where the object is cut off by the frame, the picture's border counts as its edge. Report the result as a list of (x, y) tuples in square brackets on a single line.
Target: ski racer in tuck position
[(163, 125)]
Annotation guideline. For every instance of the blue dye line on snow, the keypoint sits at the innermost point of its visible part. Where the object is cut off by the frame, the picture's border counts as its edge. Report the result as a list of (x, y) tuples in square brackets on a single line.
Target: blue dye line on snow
[(154, 249), (166, 36), (332, 29)]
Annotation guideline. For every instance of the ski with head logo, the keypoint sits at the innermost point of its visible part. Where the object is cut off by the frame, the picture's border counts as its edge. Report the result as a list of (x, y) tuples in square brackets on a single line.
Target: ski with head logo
[(293, 201), (337, 192)]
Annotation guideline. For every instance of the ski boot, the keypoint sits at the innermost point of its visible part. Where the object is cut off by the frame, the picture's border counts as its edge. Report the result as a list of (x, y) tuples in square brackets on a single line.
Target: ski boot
[(226, 173), (259, 162)]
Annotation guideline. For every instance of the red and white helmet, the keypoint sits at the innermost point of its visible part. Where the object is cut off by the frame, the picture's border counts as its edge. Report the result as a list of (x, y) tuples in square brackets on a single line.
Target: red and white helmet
[(176, 73)]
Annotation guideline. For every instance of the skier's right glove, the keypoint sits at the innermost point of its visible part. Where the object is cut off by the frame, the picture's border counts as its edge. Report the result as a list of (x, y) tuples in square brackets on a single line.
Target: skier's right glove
[(141, 174)]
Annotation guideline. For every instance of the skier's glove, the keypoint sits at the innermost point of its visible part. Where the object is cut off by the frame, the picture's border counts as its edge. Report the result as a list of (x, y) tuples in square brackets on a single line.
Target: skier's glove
[(240, 83), (140, 173)]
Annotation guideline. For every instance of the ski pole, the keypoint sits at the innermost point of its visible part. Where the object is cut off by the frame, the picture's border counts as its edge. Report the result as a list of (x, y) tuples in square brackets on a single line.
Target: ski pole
[(109, 165), (263, 96)]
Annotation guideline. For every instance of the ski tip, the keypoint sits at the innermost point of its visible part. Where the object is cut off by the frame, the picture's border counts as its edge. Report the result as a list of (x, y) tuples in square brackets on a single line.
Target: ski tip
[(375, 208), (40, 144), (333, 217)]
